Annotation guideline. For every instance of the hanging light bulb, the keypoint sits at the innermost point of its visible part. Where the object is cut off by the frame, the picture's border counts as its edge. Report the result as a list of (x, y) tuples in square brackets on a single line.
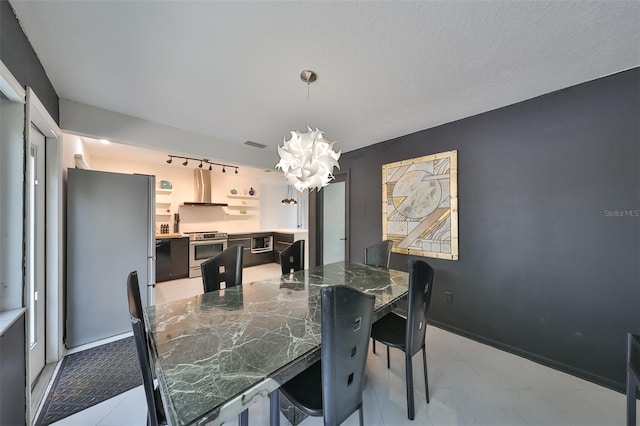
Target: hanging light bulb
[(308, 159)]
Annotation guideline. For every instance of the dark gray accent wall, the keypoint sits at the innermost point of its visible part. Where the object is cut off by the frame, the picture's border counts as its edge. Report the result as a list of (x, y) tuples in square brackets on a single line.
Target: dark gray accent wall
[(549, 192), (13, 398), (18, 55)]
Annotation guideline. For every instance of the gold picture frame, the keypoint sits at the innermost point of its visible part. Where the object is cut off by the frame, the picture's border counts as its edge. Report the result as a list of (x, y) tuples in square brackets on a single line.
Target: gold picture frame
[(420, 205)]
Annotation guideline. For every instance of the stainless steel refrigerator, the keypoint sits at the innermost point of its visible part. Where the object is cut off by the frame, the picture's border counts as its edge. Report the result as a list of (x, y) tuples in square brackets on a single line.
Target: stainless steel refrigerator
[(110, 232)]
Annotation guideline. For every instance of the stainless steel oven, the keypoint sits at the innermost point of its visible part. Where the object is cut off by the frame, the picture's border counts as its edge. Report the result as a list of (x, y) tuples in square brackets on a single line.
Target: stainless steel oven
[(203, 246)]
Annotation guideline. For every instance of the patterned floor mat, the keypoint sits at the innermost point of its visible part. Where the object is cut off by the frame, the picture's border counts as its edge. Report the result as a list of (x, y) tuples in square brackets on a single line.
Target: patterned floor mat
[(89, 377)]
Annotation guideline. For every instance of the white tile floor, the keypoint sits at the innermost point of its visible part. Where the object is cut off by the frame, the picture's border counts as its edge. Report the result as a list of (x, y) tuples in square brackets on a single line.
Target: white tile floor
[(470, 384)]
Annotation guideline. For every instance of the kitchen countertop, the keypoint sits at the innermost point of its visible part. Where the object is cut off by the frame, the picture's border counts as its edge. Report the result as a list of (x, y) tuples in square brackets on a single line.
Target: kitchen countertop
[(252, 231), (261, 231), (172, 235)]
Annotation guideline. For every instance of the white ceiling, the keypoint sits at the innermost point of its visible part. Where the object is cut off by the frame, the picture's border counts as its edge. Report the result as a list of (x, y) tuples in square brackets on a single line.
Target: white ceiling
[(230, 70)]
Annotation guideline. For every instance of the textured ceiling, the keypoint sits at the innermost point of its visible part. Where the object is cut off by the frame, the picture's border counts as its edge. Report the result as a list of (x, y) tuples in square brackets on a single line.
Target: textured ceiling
[(230, 70)]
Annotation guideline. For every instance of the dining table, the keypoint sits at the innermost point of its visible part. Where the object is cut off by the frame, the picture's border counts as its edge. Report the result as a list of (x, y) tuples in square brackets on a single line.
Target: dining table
[(217, 353)]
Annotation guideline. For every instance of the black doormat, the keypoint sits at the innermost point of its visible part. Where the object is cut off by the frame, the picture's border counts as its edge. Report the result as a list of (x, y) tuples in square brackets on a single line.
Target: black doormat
[(91, 376)]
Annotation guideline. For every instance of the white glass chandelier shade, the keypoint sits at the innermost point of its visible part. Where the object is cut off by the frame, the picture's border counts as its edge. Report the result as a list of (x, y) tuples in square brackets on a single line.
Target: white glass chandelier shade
[(308, 159)]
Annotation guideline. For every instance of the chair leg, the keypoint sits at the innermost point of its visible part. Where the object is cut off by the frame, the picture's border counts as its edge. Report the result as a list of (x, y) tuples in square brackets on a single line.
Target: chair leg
[(374, 346), (388, 362), (426, 376), (410, 404), (274, 411), (361, 410), (243, 418), (631, 400)]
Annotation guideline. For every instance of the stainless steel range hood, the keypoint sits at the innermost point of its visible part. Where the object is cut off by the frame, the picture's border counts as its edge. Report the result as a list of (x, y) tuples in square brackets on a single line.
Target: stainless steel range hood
[(202, 189)]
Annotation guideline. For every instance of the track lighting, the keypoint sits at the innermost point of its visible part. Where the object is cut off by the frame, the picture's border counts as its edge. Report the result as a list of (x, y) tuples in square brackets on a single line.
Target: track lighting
[(202, 162)]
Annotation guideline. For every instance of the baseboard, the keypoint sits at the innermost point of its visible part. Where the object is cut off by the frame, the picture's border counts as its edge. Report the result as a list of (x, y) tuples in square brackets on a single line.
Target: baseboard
[(593, 378)]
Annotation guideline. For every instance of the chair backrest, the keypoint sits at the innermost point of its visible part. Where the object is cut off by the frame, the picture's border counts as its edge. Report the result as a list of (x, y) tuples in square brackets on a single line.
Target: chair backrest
[(378, 254), (142, 346), (225, 267), (346, 328), (420, 288), (292, 258)]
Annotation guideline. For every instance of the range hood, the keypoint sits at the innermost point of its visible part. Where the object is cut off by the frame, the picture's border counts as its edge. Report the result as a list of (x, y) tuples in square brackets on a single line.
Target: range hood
[(202, 189)]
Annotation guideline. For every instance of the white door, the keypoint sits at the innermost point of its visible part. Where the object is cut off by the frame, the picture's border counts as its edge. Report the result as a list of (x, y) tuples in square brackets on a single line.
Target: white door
[(35, 249), (333, 222)]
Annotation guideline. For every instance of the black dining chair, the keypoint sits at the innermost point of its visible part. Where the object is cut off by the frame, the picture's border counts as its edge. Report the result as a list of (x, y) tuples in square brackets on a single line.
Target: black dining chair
[(378, 254), (332, 387), (408, 334), (155, 409), (225, 267), (292, 258)]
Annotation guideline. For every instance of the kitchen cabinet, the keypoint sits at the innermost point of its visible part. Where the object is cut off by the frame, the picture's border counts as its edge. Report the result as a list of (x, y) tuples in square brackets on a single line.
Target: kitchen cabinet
[(281, 242), (172, 258), (245, 241)]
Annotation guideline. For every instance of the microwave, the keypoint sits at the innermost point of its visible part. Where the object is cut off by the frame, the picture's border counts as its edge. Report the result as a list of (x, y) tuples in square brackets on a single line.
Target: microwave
[(261, 244)]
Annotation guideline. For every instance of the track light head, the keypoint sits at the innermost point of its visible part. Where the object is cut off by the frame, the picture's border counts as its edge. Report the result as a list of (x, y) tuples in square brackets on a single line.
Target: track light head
[(200, 166), (185, 162), (236, 170), (170, 160), (223, 170), (210, 168)]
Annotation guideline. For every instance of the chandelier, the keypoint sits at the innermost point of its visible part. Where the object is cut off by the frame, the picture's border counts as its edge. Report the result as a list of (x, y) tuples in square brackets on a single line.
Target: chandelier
[(307, 159)]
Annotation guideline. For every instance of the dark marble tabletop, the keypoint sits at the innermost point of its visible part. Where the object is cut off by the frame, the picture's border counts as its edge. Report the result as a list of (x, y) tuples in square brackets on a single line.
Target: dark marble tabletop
[(215, 352)]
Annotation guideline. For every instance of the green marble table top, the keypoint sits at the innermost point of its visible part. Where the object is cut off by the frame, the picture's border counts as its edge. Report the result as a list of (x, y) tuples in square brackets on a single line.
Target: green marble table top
[(216, 351)]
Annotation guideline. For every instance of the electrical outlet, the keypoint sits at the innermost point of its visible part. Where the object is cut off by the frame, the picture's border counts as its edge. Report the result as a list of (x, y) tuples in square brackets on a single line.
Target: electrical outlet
[(448, 297)]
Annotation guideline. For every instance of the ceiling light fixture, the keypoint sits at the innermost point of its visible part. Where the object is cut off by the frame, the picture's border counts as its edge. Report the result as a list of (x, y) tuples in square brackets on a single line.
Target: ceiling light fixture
[(202, 162), (307, 159), (288, 199)]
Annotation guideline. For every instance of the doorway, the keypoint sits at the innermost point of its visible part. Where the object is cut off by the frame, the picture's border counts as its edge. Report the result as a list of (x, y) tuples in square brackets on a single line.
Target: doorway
[(333, 221), (35, 251)]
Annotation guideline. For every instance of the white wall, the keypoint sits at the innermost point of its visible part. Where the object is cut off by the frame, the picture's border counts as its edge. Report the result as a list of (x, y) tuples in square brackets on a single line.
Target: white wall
[(11, 203), (207, 218), (276, 215)]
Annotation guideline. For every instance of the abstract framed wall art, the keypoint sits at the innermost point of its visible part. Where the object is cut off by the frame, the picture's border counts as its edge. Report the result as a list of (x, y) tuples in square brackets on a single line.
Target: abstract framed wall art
[(420, 205)]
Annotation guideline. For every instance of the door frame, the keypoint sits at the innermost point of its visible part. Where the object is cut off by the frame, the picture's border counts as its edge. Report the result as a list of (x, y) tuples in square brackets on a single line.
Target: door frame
[(316, 226), (37, 114), (34, 233)]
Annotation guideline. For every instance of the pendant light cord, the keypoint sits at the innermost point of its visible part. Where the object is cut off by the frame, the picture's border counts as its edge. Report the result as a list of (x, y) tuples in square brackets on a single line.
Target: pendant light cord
[(308, 103)]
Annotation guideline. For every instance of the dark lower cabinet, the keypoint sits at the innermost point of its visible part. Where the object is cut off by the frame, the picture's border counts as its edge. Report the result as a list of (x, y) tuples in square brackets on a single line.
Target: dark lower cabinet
[(243, 240), (172, 259)]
